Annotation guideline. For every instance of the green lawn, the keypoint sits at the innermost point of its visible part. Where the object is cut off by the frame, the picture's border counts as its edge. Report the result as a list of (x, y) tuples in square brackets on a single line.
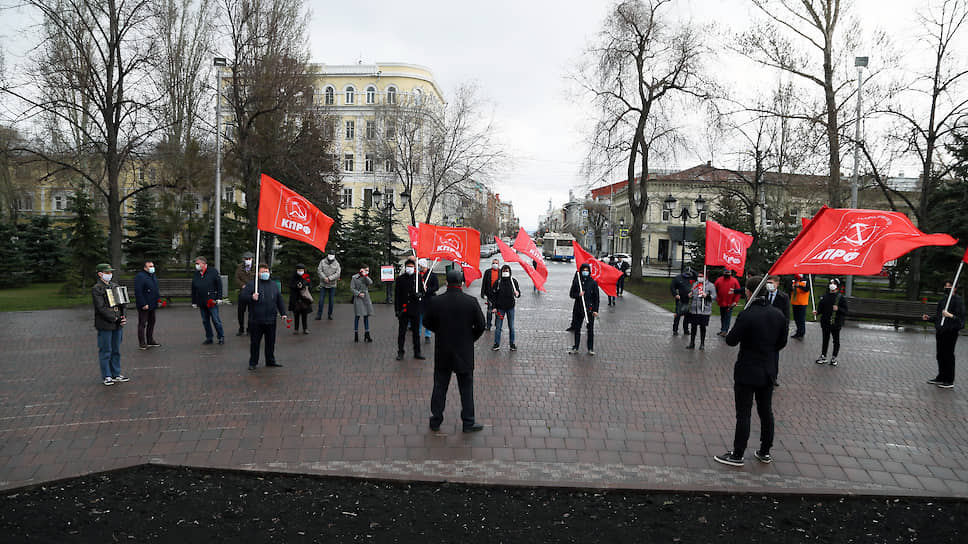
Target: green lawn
[(40, 296)]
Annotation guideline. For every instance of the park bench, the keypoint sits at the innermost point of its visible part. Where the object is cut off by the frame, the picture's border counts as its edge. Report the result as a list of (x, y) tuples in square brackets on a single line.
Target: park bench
[(895, 311), (169, 287)]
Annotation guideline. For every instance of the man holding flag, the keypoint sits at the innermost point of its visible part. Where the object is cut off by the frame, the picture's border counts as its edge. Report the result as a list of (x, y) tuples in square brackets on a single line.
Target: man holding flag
[(949, 318)]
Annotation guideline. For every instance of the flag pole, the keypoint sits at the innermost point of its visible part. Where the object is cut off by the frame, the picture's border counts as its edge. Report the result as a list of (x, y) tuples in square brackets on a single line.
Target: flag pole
[(257, 244), (952, 291), (756, 292), (581, 289), (431, 271), (813, 299)]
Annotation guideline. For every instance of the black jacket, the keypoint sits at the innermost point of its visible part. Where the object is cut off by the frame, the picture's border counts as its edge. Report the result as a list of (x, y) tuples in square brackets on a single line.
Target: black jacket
[(825, 309), (957, 307), (761, 332), (590, 287), (458, 321), (781, 302), (297, 303), (486, 283), (681, 285), (504, 293), (146, 290), (433, 285), (408, 294), (264, 310), (106, 318), (206, 287)]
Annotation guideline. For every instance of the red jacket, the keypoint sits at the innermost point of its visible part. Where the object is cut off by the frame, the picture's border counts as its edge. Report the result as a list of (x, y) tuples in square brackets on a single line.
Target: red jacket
[(725, 291)]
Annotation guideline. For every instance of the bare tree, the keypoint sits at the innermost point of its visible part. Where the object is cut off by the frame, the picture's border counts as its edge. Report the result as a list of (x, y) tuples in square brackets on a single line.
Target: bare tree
[(639, 65), (89, 89), (438, 149)]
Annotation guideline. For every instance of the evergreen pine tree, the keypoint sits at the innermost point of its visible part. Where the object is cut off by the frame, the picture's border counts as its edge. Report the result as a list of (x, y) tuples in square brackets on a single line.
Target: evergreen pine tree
[(13, 270), (43, 249), (148, 241), (364, 241), (88, 243)]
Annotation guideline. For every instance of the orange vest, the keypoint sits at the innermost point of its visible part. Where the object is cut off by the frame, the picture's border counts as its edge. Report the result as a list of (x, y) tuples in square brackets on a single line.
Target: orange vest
[(800, 298)]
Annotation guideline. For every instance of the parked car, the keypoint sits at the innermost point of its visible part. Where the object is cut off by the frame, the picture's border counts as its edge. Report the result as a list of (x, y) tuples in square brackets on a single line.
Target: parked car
[(620, 256)]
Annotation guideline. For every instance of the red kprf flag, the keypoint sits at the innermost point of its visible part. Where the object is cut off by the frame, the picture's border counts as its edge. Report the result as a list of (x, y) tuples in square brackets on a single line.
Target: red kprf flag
[(458, 244), (283, 212), (471, 273), (526, 245), (726, 247), (605, 274), (510, 256), (965, 258), (853, 242), (414, 234)]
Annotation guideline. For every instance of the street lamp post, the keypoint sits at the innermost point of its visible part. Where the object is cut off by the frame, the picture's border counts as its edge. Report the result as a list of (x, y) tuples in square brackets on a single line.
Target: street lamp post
[(860, 63), (218, 62), (389, 208), (670, 205)]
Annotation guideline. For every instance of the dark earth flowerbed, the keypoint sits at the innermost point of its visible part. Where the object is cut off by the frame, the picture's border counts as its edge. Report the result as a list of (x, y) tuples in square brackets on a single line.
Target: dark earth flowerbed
[(167, 504)]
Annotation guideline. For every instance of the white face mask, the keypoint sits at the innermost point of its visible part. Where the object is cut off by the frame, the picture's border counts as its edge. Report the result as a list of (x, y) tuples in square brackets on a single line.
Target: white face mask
[(264, 276), (494, 266), (106, 277), (151, 270), (505, 274), (300, 272), (248, 263), (701, 279), (770, 287), (198, 266), (408, 270), (365, 272), (833, 286), (331, 257)]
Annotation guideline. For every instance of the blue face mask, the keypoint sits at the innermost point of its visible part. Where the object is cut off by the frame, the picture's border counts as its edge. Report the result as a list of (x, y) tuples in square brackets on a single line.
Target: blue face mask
[(264, 276), (151, 270), (585, 273)]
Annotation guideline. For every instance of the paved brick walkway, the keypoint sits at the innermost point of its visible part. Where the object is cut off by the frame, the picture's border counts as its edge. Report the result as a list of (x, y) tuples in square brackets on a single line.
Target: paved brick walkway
[(643, 413)]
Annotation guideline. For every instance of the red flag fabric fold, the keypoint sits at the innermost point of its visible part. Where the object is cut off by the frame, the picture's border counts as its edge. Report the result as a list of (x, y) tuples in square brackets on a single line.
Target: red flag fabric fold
[(458, 244), (726, 247), (507, 253), (965, 258), (605, 274), (414, 234), (284, 212), (510, 256), (471, 273), (851, 241), (526, 245)]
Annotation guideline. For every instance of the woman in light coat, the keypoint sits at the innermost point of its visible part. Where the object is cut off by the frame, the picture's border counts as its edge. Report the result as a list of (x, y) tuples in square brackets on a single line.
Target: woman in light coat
[(362, 305), (702, 295)]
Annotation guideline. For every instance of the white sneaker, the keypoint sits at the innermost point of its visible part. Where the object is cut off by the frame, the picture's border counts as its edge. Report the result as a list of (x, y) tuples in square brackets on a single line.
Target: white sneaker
[(591, 352), (120, 378), (109, 381), (833, 361), (822, 360), (573, 351)]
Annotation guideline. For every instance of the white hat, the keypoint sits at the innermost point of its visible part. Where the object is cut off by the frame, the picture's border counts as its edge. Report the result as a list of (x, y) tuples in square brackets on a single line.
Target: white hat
[(422, 263)]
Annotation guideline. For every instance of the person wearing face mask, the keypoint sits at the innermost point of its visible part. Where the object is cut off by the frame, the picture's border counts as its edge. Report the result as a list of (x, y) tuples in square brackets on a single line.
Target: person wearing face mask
[(406, 304), (502, 300), (613, 262), (300, 298), (264, 305), (430, 286), (679, 288), (800, 298), (146, 298), (728, 291), (109, 321), (245, 273), (779, 300), (329, 271), (584, 290), (362, 306), (832, 309), (702, 295), (946, 335), (206, 292), (488, 281)]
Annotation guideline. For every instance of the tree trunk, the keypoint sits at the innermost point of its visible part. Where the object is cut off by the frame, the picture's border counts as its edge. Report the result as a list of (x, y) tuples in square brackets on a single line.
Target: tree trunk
[(833, 137)]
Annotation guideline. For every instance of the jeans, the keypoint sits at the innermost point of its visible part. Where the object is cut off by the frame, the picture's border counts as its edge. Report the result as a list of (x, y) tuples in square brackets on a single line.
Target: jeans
[(256, 332), (744, 395), (146, 327), (366, 323), (427, 333), (800, 318), (209, 317), (323, 291), (488, 314), (725, 318), (109, 352), (438, 399), (509, 317)]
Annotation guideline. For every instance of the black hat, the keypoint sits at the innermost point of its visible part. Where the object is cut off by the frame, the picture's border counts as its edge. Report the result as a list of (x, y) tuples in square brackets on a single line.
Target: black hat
[(300, 265), (585, 266), (455, 276), (247, 255)]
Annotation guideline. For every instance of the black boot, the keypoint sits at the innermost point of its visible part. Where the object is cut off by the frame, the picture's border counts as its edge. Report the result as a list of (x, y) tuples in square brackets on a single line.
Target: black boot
[(702, 338), (692, 340), (356, 336), (367, 337)]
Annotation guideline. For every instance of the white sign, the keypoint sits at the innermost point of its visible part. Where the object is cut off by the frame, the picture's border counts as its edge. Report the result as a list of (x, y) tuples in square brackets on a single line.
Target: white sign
[(584, 213), (386, 273)]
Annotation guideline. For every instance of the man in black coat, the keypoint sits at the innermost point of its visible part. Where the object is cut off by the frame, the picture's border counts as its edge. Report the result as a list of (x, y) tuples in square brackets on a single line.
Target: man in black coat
[(263, 306), (680, 287), (946, 336), (488, 282), (584, 289), (407, 296), (206, 292), (781, 301), (761, 332), (457, 319)]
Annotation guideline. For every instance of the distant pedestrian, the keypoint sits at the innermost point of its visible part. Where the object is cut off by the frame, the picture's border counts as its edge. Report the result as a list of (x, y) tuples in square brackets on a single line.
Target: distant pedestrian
[(458, 322), (300, 298), (799, 299), (244, 273), (488, 281), (407, 293), (534, 286), (264, 305), (362, 305), (779, 300), (206, 292), (946, 335), (503, 296), (728, 291), (428, 280), (761, 332), (109, 320), (702, 295), (626, 269), (832, 310), (329, 271), (584, 290), (613, 262), (680, 287), (146, 298)]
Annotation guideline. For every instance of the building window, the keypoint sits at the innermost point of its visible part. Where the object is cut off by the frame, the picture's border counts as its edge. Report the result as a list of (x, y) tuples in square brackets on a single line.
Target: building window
[(229, 194), (666, 215), (346, 201), (388, 165), (371, 95), (370, 130), (391, 130), (330, 96), (417, 96), (368, 162), (333, 159), (367, 197), (24, 204), (350, 130), (349, 97), (59, 202), (348, 162), (391, 95)]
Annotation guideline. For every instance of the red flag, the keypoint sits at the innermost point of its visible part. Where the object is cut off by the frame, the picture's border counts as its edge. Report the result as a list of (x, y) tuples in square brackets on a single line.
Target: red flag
[(605, 274), (526, 245), (510, 256), (284, 212), (965, 258), (471, 273), (853, 242), (414, 234), (458, 244), (726, 247)]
